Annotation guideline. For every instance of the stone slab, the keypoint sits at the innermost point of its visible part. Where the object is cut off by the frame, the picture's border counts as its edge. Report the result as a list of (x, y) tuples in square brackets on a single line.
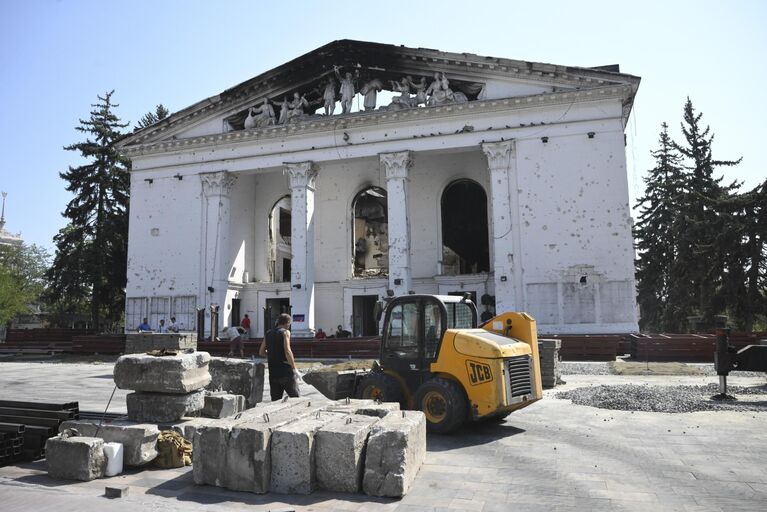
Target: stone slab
[(340, 452), (188, 426), (147, 341), (293, 453), (222, 404), (236, 453), (182, 373), (163, 408), (116, 492), (364, 407), (75, 458), (395, 452), (239, 377), (139, 440)]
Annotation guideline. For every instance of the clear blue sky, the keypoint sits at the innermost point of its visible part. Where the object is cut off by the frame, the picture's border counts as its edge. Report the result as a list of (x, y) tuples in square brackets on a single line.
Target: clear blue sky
[(57, 56)]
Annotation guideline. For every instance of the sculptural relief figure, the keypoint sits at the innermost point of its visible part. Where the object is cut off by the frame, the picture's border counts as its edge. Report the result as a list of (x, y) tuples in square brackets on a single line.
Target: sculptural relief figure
[(265, 115), (370, 91), (420, 90), (403, 100), (296, 107), (250, 121), (347, 90), (284, 109), (440, 93), (329, 97)]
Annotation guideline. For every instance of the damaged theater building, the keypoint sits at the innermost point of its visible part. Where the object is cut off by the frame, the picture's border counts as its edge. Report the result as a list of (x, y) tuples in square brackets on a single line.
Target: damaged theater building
[(361, 169)]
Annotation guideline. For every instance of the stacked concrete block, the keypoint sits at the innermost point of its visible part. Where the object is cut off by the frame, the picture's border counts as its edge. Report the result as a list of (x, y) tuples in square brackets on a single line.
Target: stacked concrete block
[(139, 440), (293, 453), (548, 350), (75, 458), (334, 384), (363, 407), (396, 450), (340, 452), (166, 387), (188, 426), (236, 453), (238, 377), (221, 404), (142, 342)]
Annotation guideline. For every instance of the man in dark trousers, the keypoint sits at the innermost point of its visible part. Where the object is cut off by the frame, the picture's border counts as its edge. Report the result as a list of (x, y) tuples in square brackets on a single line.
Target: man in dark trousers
[(282, 366)]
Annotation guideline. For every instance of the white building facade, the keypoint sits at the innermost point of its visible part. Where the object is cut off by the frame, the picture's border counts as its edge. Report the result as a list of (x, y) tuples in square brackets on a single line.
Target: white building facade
[(505, 179)]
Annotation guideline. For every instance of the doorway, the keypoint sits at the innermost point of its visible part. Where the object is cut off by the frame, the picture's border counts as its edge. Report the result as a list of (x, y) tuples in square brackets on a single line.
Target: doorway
[(465, 245), (363, 315), (273, 309)]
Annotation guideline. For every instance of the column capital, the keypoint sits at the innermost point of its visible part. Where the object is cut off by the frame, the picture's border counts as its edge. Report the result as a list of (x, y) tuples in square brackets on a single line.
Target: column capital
[(498, 154), (301, 174), (217, 183), (397, 164)]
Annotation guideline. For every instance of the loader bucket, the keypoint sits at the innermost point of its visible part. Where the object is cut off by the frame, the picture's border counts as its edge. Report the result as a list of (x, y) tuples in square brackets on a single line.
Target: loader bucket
[(335, 384)]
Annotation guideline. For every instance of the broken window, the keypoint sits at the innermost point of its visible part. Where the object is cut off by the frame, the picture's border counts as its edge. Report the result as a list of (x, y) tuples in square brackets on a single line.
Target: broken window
[(370, 234), (279, 241), (465, 245)]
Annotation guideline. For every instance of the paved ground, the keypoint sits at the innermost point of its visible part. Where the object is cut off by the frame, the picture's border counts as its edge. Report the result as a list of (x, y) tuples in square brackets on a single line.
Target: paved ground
[(551, 456)]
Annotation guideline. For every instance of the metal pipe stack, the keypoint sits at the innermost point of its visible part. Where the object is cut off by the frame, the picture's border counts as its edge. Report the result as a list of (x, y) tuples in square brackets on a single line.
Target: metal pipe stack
[(25, 426)]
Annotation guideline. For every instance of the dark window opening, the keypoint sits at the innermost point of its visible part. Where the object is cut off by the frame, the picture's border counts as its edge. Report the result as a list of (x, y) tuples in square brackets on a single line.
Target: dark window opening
[(279, 241), (370, 234), (274, 308), (465, 244), (363, 315)]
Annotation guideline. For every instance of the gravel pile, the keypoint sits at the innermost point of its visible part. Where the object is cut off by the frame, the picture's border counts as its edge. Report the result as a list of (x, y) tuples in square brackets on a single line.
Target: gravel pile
[(673, 399), (573, 368)]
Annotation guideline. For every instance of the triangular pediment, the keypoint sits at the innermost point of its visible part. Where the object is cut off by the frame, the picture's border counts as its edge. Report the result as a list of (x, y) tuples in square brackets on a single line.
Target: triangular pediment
[(303, 83)]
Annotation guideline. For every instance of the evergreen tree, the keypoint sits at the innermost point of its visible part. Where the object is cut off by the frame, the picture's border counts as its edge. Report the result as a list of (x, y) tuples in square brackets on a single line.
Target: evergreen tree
[(91, 251), (654, 235), (150, 118), (698, 268)]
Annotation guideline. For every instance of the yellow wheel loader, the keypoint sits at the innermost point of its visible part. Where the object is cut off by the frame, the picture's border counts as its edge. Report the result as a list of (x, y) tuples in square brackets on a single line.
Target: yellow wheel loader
[(435, 358)]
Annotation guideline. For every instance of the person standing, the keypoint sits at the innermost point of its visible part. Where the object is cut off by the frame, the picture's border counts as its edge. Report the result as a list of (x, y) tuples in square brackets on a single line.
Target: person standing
[(162, 328), (283, 376), (245, 324), (235, 341), (173, 327)]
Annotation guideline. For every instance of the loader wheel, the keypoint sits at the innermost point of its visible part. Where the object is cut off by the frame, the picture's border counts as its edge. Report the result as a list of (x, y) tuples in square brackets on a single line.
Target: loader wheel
[(444, 404), (382, 387)]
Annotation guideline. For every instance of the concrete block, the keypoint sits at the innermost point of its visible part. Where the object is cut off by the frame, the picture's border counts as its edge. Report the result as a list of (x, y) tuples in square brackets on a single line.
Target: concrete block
[(139, 440), (143, 342), (163, 408), (395, 452), (222, 404), (182, 373), (75, 458), (239, 377), (340, 452), (293, 454), (188, 426), (364, 407), (116, 492), (236, 453)]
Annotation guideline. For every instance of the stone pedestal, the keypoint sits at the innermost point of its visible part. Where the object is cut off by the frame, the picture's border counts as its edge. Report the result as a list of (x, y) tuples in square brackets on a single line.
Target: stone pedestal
[(163, 407)]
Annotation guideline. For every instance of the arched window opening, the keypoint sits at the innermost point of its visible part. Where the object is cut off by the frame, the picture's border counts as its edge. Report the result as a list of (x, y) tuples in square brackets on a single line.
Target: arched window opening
[(370, 234), (465, 247), (279, 241)]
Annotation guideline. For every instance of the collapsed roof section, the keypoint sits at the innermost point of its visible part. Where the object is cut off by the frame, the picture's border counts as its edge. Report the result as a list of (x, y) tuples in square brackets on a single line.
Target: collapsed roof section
[(471, 78)]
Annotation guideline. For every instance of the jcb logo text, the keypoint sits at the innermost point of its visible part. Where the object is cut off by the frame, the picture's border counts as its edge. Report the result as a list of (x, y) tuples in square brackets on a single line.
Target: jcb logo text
[(479, 373)]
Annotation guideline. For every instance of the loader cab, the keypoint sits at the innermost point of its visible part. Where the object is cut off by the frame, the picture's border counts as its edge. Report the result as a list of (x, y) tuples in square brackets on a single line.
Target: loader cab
[(413, 329)]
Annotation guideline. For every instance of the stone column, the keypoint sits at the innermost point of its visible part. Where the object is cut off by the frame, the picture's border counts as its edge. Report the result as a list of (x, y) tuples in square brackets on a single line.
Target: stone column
[(397, 166), (214, 267), (302, 176), (506, 263)]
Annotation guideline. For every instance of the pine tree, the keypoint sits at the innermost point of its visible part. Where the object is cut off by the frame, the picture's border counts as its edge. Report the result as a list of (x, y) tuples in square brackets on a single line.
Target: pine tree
[(654, 234), (150, 118), (698, 268), (91, 251)]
